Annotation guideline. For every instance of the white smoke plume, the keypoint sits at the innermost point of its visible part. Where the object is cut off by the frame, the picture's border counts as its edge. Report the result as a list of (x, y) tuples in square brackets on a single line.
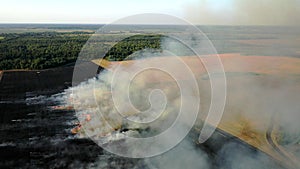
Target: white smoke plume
[(244, 12), (252, 97)]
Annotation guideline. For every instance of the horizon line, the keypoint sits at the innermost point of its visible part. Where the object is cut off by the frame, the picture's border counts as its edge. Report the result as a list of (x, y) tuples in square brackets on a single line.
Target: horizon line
[(67, 23)]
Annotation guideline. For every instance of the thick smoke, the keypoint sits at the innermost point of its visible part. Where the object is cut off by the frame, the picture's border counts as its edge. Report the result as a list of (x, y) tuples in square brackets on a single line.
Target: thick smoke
[(254, 99), (185, 155), (244, 12), (106, 104), (236, 156)]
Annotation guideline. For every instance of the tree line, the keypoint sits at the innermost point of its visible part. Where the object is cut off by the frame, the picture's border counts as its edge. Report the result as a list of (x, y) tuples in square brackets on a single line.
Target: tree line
[(35, 50), (39, 50)]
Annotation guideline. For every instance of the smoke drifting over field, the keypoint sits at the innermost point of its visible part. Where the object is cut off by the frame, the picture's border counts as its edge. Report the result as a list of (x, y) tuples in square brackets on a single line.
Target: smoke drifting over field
[(141, 102), (254, 98)]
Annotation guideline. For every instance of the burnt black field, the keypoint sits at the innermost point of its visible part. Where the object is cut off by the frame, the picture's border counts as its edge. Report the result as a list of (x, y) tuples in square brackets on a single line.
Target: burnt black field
[(35, 136)]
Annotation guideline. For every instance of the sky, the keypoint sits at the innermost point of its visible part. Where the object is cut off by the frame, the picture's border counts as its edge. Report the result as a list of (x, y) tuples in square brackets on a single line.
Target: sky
[(204, 12)]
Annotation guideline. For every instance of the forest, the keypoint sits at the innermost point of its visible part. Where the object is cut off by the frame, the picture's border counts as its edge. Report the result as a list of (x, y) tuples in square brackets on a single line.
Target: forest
[(123, 49), (39, 50), (35, 50)]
